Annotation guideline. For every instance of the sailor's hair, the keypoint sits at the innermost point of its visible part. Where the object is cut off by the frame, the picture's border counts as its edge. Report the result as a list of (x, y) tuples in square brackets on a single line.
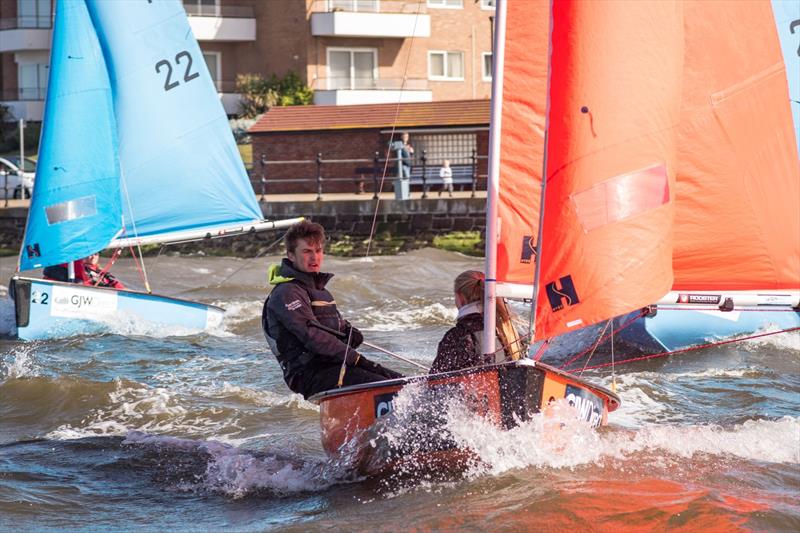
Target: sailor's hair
[(311, 232), (469, 284)]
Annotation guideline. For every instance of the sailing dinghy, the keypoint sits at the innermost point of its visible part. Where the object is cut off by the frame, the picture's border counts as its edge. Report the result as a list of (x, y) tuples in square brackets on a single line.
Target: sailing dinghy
[(135, 149)]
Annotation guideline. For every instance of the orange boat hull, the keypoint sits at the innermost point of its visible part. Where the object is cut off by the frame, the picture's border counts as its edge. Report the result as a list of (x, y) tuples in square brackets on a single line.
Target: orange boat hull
[(505, 393)]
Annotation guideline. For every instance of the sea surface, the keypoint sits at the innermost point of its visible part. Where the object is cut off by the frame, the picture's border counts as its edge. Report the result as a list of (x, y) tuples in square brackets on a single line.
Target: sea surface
[(140, 428)]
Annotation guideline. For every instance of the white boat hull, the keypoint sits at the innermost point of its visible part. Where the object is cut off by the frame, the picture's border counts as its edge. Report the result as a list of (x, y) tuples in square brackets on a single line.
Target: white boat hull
[(48, 309)]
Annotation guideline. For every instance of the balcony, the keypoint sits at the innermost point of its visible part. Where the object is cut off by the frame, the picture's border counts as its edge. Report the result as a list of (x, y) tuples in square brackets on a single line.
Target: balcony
[(228, 96), (19, 34), (346, 91), (25, 103), (369, 18), (222, 23)]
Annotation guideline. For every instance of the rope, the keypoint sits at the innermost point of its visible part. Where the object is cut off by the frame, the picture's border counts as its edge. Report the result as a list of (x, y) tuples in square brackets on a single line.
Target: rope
[(142, 275), (694, 348), (391, 135), (249, 261), (108, 266), (601, 338)]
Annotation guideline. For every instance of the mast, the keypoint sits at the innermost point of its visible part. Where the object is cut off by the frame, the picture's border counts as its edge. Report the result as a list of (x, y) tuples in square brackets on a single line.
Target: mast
[(492, 188)]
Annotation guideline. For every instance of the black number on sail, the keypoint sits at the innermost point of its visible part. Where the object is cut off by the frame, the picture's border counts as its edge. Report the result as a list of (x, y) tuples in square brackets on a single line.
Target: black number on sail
[(187, 76), (792, 25), (167, 84)]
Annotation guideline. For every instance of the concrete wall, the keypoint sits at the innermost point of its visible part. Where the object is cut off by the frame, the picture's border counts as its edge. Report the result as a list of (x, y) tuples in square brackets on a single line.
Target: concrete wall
[(349, 218)]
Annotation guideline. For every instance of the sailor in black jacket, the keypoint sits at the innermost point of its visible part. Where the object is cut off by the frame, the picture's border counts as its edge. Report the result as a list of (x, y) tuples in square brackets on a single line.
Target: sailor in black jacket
[(300, 317)]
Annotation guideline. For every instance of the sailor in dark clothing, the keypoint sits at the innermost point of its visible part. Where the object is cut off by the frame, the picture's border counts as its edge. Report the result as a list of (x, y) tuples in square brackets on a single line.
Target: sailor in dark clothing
[(462, 346), (304, 329)]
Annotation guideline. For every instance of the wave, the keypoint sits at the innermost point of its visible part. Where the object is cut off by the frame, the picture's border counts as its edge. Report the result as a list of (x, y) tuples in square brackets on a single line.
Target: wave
[(238, 472), (19, 363), (412, 317), (556, 439)]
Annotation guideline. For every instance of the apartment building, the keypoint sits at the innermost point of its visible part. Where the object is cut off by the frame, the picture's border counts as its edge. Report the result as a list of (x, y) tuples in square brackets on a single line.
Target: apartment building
[(347, 51)]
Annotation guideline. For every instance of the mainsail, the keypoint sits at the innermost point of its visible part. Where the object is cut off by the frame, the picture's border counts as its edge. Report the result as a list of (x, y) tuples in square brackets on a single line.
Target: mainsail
[(671, 159), (136, 145), (737, 225)]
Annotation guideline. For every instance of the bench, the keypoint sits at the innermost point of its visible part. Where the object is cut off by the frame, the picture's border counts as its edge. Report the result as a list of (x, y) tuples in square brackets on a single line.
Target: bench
[(462, 175)]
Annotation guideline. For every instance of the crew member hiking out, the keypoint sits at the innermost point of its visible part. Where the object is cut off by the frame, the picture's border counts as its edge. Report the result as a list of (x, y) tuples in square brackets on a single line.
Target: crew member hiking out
[(303, 327)]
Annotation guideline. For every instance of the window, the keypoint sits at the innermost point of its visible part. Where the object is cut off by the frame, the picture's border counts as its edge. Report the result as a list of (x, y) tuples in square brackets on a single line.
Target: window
[(352, 68), (488, 4), (202, 8), (458, 4), (213, 60), (446, 65), (368, 6), (456, 147), (33, 13), (32, 81), (487, 66)]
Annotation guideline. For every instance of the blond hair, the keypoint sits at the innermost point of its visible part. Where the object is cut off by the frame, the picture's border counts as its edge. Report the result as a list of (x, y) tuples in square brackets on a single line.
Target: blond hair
[(469, 285)]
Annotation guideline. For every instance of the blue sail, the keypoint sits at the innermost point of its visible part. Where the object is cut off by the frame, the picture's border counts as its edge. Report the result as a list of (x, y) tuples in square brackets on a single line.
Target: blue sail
[(180, 166), (787, 19), (76, 207)]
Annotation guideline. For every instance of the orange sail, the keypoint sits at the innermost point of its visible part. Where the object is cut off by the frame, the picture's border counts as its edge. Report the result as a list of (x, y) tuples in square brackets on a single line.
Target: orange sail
[(738, 194)]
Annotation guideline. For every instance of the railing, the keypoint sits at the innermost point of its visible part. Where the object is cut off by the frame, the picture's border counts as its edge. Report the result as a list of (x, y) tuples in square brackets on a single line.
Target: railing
[(34, 22), (370, 84), (199, 10), (27, 94), (367, 170), (370, 6)]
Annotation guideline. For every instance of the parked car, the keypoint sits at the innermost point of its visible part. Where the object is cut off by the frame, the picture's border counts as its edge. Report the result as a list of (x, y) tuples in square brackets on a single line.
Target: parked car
[(16, 181)]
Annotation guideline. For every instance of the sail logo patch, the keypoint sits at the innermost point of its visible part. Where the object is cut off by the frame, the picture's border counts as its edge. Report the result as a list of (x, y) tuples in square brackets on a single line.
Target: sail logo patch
[(563, 294), (33, 250), (699, 298), (528, 249)]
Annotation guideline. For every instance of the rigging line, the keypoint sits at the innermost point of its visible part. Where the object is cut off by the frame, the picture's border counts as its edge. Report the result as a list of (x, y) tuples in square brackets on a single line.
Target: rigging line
[(596, 344), (143, 270), (393, 130), (625, 325), (249, 261), (694, 348), (108, 266)]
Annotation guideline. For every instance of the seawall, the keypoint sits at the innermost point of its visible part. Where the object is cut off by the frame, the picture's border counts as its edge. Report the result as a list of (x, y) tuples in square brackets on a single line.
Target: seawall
[(399, 224)]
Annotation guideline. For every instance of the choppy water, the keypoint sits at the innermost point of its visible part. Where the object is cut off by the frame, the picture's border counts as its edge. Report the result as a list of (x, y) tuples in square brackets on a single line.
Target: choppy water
[(140, 428)]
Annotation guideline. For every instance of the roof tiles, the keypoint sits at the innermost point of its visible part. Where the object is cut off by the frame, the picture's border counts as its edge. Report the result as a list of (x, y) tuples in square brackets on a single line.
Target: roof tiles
[(405, 115)]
